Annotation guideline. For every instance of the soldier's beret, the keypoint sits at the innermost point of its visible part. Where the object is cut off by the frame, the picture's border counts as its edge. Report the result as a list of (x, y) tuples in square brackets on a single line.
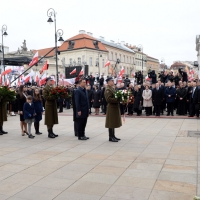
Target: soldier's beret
[(109, 79)]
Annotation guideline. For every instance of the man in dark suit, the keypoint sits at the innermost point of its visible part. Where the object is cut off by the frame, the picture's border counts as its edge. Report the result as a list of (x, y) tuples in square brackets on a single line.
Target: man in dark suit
[(74, 110), (196, 99), (157, 97), (82, 109), (170, 94)]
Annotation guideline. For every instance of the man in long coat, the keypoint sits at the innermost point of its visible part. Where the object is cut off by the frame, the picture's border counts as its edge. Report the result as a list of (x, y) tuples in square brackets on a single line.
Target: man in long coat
[(157, 97), (3, 117), (51, 115), (113, 116)]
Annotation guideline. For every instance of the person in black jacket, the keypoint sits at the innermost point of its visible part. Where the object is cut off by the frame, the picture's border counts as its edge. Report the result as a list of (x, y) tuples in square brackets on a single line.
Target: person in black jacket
[(139, 78), (82, 109), (21, 99), (181, 103), (96, 99), (101, 81), (153, 76), (183, 75), (103, 99), (137, 100), (126, 82), (74, 110), (89, 92), (157, 97)]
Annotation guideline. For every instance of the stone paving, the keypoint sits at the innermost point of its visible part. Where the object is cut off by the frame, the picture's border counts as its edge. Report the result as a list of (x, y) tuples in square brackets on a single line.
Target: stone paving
[(153, 161)]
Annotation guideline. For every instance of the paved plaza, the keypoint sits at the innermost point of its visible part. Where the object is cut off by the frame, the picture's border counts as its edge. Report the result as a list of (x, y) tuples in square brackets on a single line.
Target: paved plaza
[(154, 160)]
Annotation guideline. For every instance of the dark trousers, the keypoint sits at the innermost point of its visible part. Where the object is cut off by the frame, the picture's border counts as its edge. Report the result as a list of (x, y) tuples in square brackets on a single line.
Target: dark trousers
[(157, 110), (75, 128), (104, 108), (170, 108), (148, 110), (191, 109), (81, 126), (61, 106), (122, 108)]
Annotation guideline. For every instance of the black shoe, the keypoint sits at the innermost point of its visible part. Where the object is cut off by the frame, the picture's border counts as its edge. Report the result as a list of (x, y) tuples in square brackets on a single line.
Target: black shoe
[(54, 133), (112, 139), (117, 138), (4, 132), (82, 138), (38, 133), (1, 133), (87, 138), (31, 136), (167, 114), (50, 135)]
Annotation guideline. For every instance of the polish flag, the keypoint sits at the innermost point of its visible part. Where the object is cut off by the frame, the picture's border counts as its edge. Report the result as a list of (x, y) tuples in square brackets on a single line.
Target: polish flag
[(19, 82), (192, 71), (73, 72), (133, 73), (65, 82), (43, 79), (81, 72), (8, 69), (44, 68), (34, 60), (27, 78), (7, 82), (107, 63), (121, 73), (37, 77), (147, 78)]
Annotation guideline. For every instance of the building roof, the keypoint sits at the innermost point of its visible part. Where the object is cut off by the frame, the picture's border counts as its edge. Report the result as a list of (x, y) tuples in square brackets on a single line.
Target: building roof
[(43, 52), (82, 41), (152, 58), (118, 46)]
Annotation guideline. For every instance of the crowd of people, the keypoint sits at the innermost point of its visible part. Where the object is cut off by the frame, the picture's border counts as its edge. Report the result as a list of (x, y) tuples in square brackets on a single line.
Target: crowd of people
[(153, 97)]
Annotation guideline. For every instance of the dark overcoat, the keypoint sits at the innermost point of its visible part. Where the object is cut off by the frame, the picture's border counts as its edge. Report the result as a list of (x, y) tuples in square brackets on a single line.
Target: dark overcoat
[(172, 92), (3, 112), (137, 99), (51, 114), (29, 111), (82, 103), (38, 110), (157, 96), (113, 116), (96, 96)]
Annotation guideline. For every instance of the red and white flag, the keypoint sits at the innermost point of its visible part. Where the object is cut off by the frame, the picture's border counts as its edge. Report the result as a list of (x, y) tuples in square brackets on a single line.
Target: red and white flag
[(147, 78), (133, 73), (191, 71), (27, 78), (81, 72), (107, 63), (121, 73), (43, 79), (44, 68), (34, 60), (37, 77), (19, 82), (8, 69), (7, 82), (65, 82), (73, 71)]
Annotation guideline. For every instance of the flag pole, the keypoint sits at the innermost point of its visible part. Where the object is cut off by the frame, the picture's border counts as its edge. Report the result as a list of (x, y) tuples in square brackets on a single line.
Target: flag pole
[(33, 65)]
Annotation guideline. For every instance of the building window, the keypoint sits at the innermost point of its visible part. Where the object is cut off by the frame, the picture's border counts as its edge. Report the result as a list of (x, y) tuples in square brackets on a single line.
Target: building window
[(70, 61), (127, 59), (111, 55), (116, 56), (83, 58), (120, 57), (97, 62), (103, 62), (79, 61), (90, 61)]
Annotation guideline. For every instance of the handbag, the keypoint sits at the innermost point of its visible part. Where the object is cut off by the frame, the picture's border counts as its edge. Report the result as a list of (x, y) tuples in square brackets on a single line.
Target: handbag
[(140, 107)]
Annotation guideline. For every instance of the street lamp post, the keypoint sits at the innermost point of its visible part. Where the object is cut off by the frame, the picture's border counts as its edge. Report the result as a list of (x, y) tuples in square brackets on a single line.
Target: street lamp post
[(140, 48), (3, 33), (58, 33)]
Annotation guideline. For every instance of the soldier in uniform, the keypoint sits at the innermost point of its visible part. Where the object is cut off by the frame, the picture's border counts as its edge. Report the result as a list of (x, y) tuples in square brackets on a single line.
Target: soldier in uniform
[(113, 116), (3, 116), (51, 115)]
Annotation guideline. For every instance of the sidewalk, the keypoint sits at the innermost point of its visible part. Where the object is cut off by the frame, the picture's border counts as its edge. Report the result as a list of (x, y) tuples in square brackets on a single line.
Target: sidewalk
[(154, 160)]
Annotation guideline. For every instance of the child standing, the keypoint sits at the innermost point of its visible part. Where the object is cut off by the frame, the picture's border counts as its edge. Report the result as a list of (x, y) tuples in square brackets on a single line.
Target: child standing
[(29, 114)]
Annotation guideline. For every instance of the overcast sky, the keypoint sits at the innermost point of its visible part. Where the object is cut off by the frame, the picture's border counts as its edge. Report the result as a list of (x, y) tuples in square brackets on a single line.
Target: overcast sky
[(166, 28)]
